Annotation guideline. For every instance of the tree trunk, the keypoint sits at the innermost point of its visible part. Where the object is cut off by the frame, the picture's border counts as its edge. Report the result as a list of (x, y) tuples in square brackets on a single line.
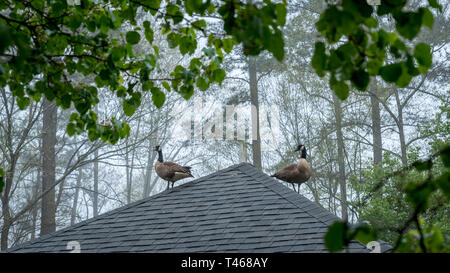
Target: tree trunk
[(7, 217), (401, 130), (35, 209), (256, 139), (73, 213), (48, 209), (95, 193), (376, 127), (148, 175), (127, 171), (153, 141), (243, 156), (131, 166), (7, 221), (341, 158)]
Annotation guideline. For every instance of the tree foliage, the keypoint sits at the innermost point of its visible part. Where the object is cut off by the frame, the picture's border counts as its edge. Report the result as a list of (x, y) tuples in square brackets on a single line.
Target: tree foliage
[(356, 48), (46, 42), (411, 195)]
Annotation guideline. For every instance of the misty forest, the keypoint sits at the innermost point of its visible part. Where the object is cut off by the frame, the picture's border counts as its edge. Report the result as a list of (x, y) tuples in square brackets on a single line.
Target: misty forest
[(89, 88)]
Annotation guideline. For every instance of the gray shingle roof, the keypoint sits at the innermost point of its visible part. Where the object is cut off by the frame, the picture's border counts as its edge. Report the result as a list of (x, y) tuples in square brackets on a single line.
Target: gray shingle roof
[(238, 209)]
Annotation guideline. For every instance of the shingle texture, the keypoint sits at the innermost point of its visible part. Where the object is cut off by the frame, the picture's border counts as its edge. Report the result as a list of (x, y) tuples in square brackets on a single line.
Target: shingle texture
[(238, 209)]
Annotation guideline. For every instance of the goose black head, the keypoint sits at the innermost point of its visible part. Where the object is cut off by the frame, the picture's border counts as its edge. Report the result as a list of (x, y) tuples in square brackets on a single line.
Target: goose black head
[(300, 147), (157, 148)]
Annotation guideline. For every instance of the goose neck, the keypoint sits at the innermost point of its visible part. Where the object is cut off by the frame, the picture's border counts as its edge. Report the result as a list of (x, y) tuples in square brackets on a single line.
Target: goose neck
[(303, 154), (160, 156)]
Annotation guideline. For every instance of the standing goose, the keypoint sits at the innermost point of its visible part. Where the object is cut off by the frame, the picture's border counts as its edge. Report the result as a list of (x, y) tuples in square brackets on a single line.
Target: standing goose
[(170, 171), (296, 173)]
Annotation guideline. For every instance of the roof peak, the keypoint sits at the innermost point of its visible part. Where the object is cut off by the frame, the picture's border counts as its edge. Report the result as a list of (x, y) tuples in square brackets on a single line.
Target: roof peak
[(238, 208)]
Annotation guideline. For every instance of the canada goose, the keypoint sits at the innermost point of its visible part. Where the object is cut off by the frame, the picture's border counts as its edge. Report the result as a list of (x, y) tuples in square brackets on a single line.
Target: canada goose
[(296, 173), (170, 171)]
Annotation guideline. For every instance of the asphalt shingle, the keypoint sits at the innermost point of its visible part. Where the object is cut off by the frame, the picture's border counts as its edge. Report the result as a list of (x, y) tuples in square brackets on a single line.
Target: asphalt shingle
[(238, 209)]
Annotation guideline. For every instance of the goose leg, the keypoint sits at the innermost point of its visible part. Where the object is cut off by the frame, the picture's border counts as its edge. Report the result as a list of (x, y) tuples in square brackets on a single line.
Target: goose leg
[(293, 186), (298, 189), (168, 184), (172, 184)]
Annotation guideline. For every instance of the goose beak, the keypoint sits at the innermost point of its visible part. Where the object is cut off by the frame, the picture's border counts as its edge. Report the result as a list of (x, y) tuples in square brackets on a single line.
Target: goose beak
[(299, 148)]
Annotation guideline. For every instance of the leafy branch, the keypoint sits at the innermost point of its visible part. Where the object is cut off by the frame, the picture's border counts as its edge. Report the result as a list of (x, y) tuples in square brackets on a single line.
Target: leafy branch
[(44, 44), (340, 234), (356, 48)]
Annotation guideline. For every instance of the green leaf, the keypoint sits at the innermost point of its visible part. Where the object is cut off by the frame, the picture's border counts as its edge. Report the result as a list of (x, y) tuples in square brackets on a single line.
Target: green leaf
[(219, 75), (341, 90), (405, 78), (357, 8), (422, 53), (73, 117), (373, 67), (418, 194), (202, 84), (166, 86), (371, 22), (173, 12), (6, 37), (23, 102), (133, 37), (71, 129), (427, 18), (445, 156), (443, 182), (128, 108), (186, 91), (423, 165), (319, 59), (410, 66), (363, 232), (153, 6), (149, 35), (408, 23), (158, 97), (391, 72), (276, 46), (360, 79), (199, 24), (65, 101), (93, 135), (281, 14), (117, 53), (228, 45), (75, 22), (335, 236), (209, 51), (334, 61)]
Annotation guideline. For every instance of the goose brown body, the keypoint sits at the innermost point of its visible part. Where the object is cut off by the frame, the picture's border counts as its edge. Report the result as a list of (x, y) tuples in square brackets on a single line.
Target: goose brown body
[(296, 173), (170, 171)]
